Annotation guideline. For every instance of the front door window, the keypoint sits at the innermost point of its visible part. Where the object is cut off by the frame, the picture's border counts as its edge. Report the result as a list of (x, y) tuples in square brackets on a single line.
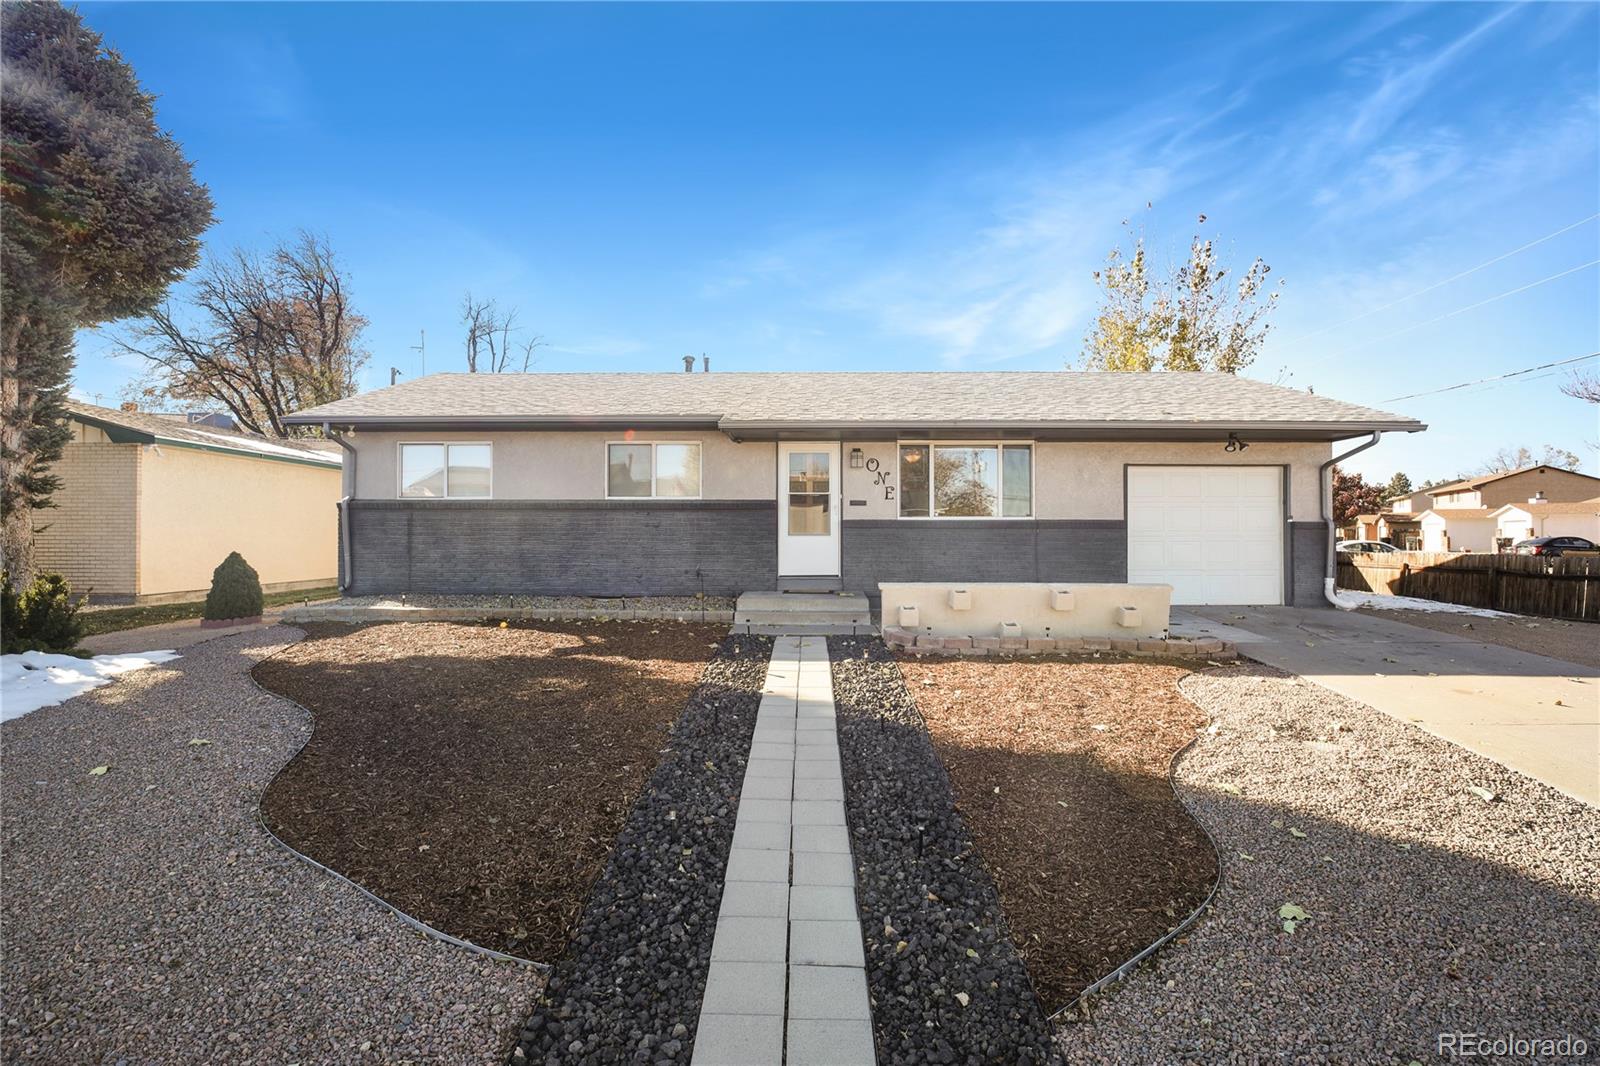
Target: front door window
[(809, 494)]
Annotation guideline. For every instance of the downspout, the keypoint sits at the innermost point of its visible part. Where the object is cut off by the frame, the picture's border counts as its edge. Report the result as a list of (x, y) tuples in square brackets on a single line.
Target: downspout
[(344, 504), (1330, 572)]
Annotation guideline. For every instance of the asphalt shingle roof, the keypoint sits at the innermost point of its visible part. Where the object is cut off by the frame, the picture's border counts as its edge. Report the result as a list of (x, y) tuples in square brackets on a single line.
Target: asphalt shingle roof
[(172, 431), (733, 401)]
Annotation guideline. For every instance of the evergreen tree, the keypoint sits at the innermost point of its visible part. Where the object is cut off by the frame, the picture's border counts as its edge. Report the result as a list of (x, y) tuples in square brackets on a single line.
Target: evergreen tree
[(102, 214)]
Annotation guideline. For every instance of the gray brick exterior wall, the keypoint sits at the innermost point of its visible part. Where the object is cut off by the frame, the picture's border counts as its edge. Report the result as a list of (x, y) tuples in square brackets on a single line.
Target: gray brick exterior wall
[(583, 548), (1308, 553), (984, 550)]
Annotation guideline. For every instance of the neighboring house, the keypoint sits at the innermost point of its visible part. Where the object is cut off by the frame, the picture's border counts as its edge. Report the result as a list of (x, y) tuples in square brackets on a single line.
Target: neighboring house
[(148, 506), (1457, 529), (1400, 528), (675, 484), (1461, 514), (1547, 518)]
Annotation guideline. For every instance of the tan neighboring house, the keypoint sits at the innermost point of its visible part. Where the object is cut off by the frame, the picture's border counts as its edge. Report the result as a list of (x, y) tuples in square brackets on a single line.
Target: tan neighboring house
[(1547, 518), (1462, 516), (148, 506)]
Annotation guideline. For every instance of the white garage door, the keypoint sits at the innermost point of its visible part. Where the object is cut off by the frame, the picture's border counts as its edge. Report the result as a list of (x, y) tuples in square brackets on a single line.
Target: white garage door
[(1214, 533)]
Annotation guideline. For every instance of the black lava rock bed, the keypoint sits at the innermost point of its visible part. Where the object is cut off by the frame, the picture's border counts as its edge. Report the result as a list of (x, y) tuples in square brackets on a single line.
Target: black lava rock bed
[(628, 989), (930, 914)]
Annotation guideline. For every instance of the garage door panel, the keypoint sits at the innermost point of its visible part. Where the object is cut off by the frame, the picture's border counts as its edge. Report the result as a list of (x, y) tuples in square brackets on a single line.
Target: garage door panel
[(1215, 534)]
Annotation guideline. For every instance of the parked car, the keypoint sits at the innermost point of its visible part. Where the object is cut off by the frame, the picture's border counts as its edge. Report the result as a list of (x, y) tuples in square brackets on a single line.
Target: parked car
[(1366, 547), (1553, 546)]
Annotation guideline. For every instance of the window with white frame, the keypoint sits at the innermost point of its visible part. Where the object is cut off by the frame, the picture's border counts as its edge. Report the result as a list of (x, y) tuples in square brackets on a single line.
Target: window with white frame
[(446, 471), (653, 469), (966, 480)]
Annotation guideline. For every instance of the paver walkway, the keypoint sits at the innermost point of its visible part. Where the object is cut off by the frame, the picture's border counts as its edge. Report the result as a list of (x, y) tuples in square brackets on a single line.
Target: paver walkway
[(787, 969)]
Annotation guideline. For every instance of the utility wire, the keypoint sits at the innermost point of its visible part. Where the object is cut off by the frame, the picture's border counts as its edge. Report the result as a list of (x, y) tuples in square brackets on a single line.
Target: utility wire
[(1497, 377), (1460, 310), (1447, 281)]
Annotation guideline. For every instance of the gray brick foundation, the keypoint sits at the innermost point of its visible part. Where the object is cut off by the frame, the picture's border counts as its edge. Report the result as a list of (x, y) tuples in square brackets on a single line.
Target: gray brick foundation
[(580, 548)]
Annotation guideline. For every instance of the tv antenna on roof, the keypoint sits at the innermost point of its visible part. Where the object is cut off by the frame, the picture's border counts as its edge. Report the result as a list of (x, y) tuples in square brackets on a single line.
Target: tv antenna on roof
[(422, 352)]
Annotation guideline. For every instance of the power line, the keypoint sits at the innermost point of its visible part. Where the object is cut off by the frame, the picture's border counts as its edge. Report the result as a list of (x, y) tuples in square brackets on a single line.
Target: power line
[(1497, 377), (1451, 278), (1462, 310)]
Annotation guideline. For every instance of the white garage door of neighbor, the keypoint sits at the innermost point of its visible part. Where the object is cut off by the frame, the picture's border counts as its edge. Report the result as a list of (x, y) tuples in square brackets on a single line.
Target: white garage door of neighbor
[(1214, 533)]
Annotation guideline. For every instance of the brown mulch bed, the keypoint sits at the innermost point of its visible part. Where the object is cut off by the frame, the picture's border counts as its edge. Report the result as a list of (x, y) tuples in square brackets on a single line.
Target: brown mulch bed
[(476, 776), (1093, 856)]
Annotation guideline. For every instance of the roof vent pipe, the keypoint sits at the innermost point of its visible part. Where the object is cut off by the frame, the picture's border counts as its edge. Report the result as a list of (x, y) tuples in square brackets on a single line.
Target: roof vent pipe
[(688, 364), (705, 363)]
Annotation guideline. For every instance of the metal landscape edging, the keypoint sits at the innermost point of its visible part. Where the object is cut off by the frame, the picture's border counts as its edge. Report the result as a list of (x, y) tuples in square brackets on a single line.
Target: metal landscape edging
[(416, 923), (1129, 965)]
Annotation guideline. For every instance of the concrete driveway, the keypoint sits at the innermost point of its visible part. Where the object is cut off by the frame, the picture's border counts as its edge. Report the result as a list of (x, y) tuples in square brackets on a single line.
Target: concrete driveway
[(1536, 715)]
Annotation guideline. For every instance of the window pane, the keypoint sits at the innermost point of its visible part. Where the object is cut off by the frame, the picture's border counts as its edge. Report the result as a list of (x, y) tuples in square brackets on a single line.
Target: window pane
[(469, 470), (1018, 482), (965, 482), (808, 514), (422, 470), (914, 481), (808, 471), (678, 470), (628, 470)]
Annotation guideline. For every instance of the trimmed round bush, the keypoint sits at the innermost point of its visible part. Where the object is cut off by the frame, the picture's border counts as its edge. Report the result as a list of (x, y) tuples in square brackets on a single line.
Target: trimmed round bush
[(43, 617), (235, 590)]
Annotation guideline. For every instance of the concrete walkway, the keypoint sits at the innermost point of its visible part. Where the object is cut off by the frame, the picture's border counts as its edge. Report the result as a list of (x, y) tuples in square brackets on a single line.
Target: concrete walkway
[(787, 965), (1536, 715), (168, 636)]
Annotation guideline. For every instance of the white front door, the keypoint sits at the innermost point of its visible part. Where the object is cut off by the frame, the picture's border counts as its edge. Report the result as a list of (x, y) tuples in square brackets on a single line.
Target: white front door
[(1214, 533), (808, 509)]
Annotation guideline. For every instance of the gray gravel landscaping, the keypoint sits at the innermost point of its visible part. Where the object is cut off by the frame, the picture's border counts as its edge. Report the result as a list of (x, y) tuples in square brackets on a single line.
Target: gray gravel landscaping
[(629, 988), (1429, 909), (147, 918), (946, 982)]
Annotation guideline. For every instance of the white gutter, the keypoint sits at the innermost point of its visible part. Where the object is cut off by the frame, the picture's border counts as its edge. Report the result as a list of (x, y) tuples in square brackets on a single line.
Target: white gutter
[(1330, 572), (344, 505)]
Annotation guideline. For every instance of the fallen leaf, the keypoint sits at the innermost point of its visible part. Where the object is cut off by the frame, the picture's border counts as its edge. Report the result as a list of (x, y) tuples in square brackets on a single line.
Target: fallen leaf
[(1230, 788), (99, 771), (197, 741), (1296, 833), (1247, 858), (1482, 793), (1292, 910), (901, 946), (971, 954), (963, 999)]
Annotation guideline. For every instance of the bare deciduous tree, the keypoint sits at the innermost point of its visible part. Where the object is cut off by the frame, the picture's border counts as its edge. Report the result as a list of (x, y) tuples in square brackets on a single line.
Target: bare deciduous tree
[(489, 344), (1583, 385), (1196, 319), (270, 335), (1516, 458)]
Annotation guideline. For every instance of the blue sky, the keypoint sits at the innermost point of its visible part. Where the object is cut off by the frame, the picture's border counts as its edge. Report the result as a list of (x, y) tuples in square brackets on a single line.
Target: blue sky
[(918, 187)]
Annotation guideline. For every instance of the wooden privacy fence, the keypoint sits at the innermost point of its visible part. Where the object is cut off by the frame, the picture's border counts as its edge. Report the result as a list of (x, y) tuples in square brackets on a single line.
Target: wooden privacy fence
[(1567, 586)]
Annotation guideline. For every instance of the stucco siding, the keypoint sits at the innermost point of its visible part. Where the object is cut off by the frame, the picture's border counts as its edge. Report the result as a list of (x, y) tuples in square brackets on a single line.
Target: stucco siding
[(570, 465), (90, 535), (196, 506), (586, 548)]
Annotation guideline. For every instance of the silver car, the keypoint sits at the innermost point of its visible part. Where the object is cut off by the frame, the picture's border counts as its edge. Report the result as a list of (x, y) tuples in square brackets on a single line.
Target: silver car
[(1366, 547)]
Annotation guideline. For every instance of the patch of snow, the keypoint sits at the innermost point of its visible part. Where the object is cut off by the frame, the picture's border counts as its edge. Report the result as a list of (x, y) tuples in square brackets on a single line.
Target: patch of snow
[(267, 447), (37, 679), (1350, 600)]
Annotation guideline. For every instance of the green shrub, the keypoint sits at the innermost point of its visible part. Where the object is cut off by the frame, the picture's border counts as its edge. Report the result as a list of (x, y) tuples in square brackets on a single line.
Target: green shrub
[(43, 617), (235, 590)]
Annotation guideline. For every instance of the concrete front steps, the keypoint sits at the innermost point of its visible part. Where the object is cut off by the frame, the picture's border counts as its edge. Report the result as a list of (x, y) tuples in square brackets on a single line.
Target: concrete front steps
[(803, 614)]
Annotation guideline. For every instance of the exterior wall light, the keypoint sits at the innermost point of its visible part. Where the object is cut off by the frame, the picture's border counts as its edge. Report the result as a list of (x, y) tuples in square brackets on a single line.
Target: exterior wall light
[(1234, 444), (857, 459)]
